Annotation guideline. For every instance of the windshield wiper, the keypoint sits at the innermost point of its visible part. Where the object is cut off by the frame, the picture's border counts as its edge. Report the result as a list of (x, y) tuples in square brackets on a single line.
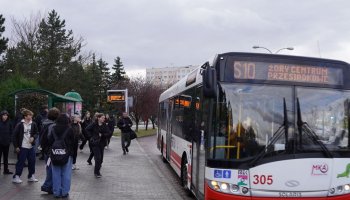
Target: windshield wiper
[(275, 136), (303, 126)]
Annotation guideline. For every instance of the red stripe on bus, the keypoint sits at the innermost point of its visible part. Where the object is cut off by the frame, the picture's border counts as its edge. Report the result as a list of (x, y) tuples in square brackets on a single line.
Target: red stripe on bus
[(210, 194)]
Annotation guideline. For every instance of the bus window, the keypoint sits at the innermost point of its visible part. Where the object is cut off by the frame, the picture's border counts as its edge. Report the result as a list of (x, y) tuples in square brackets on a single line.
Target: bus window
[(326, 112), (248, 117)]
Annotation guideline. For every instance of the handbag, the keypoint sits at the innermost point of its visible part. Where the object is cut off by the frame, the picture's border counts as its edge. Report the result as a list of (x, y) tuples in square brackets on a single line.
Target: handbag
[(133, 135), (94, 141)]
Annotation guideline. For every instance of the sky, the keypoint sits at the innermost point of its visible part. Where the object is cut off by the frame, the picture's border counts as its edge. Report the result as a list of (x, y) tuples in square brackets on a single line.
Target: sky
[(163, 33)]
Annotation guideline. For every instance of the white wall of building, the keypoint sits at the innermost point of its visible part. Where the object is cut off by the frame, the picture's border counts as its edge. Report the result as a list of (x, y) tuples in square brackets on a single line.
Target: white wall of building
[(166, 76)]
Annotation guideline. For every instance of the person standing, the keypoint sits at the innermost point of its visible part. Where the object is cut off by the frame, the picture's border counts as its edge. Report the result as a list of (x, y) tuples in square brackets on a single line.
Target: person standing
[(77, 136), (111, 124), (98, 133), (5, 139), (62, 173), (39, 120), (125, 124), (84, 123), (48, 124), (24, 136)]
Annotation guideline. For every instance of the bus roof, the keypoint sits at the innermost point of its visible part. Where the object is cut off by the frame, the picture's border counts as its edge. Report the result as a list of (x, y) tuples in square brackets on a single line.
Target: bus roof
[(182, 85)]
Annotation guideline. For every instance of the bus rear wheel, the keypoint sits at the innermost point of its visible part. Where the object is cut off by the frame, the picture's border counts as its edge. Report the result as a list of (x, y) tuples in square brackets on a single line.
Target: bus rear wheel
[(161, 150)]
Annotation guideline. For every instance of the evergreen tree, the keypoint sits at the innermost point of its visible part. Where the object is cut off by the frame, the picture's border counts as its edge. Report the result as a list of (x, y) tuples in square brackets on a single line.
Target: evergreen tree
[(3, 40), (56, 50), (119, 73)]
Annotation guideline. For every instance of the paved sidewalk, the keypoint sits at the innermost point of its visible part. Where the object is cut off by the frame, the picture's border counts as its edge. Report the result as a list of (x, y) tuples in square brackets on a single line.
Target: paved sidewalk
[(131, 176)]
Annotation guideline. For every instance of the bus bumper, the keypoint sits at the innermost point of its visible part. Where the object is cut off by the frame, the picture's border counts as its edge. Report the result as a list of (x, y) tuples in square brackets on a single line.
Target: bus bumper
[(213, 195)]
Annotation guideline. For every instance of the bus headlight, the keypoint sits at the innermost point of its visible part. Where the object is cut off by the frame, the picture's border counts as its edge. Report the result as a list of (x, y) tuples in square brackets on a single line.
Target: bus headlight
[(347, 187), (339, 190), (228, 188)]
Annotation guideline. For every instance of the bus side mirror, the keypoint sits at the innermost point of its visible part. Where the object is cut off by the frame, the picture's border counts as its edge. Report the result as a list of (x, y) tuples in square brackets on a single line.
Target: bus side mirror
[(209, 82)]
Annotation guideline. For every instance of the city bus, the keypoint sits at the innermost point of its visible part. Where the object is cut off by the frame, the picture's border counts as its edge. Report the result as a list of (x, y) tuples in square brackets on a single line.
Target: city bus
[(259, 126)]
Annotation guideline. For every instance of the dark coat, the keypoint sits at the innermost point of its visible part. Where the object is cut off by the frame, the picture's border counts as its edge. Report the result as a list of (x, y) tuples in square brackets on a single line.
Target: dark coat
[(77, 132), (19, 132), (6, 129), (93, 131), (85, 124), (111, 124), (69, 139), (44, 135), (125, 124)]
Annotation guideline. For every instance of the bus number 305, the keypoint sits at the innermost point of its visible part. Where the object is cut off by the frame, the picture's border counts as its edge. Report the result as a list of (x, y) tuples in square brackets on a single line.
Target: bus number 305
[(262, 179)]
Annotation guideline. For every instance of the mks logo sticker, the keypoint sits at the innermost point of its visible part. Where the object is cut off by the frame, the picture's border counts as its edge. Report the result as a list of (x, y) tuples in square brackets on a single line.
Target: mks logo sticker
[(319, 169)]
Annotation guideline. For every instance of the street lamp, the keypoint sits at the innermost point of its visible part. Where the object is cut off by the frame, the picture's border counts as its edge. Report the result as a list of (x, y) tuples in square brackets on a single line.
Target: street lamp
[(259, 47)]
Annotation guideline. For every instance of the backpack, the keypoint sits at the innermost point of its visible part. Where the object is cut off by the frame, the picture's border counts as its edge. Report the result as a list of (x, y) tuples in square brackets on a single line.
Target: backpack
[(59, 152)]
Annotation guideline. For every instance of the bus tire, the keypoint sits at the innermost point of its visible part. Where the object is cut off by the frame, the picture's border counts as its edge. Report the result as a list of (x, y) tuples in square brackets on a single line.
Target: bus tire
[(161, 150), (184, 171)]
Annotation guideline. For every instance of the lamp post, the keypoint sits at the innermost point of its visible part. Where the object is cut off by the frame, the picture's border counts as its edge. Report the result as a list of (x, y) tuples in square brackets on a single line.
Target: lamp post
[(287, 48)]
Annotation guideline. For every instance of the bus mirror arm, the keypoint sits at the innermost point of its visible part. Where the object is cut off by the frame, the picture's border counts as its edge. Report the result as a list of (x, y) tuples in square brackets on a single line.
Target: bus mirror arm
[(209, 81)]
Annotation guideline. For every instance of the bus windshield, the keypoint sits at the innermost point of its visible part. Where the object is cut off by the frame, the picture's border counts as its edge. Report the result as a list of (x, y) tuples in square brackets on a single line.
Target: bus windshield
[(250, 118)]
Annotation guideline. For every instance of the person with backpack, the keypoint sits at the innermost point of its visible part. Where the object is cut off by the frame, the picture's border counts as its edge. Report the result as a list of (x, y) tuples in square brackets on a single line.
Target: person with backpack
[(5, 139), (61, 144), (125, 124), (98, 133), (46, 129), (24, 137)]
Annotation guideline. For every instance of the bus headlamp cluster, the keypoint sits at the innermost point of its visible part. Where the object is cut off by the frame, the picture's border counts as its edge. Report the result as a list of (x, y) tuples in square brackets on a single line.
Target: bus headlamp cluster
[(339, 190), (228, 188)]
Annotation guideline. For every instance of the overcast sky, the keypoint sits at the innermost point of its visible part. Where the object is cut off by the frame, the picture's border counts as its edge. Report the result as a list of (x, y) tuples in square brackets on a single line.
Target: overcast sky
[(160, 33)]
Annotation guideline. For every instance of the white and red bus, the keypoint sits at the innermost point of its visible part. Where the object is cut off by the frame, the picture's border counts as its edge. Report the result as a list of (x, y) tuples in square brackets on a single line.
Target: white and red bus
[(257, 126)]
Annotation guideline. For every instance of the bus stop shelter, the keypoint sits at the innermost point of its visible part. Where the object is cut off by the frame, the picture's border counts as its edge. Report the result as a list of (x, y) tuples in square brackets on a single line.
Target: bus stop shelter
[(52, 98)]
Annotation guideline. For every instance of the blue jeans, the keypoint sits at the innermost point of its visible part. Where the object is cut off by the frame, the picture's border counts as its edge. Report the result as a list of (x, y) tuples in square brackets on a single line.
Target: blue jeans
[(61, 178), (25, 154), (48, 181)]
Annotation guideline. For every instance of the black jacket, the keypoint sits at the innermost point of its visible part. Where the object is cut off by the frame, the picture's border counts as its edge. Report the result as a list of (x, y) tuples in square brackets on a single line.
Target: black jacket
[(19, 132), (5, 132), (85, 124), (125, 124), (94, 129), (69, 139), (44, 135)]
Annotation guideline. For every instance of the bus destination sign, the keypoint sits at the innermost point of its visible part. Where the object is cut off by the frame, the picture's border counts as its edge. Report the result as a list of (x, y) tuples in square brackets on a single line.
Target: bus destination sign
[(247, 70)]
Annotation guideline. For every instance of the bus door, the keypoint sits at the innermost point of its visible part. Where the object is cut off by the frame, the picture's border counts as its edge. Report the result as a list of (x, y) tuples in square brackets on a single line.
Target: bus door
[(169, 129), (198, 147)]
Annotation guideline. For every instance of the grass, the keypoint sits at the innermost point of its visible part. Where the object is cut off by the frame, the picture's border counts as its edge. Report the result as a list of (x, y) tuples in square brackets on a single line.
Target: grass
[(140, 133)]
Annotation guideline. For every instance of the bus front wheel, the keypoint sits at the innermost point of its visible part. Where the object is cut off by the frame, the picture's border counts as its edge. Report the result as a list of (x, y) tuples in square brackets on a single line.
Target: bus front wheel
[(184, 170)]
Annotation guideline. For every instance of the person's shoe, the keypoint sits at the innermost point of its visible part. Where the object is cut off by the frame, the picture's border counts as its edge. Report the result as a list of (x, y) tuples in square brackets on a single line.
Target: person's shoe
[(42, 158), (89, 162), (124, 152), (56, 197), (32, 179), (74, 167), (7, 172), (17, 180), (65, 196), (126, 149), (98, 175), (45, 189)]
